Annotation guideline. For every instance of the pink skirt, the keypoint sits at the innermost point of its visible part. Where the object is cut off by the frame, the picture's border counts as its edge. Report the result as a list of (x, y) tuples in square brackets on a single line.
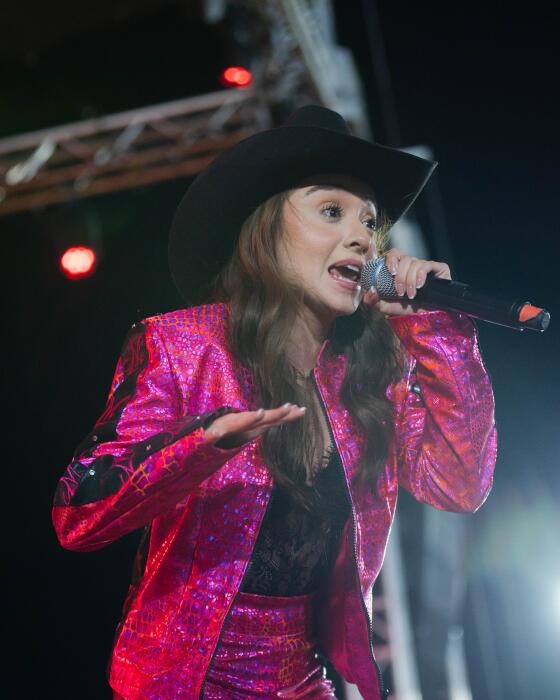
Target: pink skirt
[(267, 649)]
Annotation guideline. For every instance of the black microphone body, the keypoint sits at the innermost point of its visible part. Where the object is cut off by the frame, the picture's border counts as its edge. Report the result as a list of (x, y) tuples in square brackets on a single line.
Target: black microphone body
[(456, 296)]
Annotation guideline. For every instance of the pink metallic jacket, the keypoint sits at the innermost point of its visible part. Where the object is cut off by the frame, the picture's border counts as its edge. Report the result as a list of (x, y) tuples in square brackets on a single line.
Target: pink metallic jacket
[(146, 463)]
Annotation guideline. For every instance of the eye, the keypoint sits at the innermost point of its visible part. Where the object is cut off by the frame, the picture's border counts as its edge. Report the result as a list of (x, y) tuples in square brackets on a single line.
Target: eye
[(371, 223), (332, 210)]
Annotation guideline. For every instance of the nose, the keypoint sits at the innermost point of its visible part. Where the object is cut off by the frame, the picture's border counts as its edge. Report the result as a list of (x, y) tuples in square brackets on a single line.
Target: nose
[(358, 238)]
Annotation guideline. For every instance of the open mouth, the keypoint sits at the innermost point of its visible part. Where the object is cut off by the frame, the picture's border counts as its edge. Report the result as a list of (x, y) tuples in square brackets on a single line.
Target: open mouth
[(350, 274)]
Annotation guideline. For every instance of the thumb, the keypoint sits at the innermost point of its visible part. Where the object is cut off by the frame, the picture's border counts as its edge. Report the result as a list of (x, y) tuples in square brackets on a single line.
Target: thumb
[(371, 297)]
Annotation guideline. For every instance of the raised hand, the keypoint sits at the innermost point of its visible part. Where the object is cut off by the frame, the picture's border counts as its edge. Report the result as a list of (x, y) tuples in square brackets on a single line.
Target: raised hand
[(234, 429)]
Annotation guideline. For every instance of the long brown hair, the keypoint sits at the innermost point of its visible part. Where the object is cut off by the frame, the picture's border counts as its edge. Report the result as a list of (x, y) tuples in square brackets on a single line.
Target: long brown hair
[(263, 308)]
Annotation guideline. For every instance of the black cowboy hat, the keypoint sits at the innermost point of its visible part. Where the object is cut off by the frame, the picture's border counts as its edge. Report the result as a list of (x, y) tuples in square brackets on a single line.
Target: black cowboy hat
[(313, 142)]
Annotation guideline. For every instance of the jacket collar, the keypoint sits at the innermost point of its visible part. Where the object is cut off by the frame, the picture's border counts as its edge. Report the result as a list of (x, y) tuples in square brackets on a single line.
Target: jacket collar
[(323, 356)]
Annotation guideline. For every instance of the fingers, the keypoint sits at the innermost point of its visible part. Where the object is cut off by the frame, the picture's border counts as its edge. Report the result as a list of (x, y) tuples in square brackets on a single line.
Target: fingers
[(248, 421), (410, 273), (371, 297), (392, 259), (277, 416)]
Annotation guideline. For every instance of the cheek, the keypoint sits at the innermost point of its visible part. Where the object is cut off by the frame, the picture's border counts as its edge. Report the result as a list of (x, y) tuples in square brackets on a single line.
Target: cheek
[(306, 246), (302, 261), (304, 242), (291, 258)]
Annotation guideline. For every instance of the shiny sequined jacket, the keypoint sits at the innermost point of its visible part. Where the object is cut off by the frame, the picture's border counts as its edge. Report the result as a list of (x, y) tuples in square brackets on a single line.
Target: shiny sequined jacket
[(146, 463)]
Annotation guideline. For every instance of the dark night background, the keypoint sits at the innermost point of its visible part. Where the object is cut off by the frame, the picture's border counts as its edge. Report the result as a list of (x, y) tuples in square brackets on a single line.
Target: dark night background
[(477, 83)]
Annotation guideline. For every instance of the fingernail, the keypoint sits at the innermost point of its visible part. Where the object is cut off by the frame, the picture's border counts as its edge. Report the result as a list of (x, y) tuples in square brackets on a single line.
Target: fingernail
[(302, 408), (411, 292), (392, 268), (286, 405), (260, 412), (400, 289)]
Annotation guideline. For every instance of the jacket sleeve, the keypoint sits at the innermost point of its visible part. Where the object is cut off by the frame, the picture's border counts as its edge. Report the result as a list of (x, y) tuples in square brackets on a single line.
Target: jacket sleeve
[(141, 457), (446, 435)]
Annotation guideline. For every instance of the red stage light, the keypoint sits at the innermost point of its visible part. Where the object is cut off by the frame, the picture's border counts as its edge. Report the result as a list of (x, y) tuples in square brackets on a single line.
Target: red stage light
[(78, 262), (236, 76)]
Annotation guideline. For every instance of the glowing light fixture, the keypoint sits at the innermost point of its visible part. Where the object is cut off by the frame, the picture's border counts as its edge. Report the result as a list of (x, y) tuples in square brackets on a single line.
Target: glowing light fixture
[(78, 262), (236, 76)]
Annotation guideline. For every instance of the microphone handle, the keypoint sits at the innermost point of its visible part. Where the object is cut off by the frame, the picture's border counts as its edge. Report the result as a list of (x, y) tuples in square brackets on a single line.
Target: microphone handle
[(456, 296)]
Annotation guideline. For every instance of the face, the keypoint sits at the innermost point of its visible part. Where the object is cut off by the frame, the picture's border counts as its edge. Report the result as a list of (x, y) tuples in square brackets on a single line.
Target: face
[(325, 229)]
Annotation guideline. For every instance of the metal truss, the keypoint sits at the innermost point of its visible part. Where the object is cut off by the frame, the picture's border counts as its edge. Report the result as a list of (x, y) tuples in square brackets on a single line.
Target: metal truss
[(123, 150), (298, 63)]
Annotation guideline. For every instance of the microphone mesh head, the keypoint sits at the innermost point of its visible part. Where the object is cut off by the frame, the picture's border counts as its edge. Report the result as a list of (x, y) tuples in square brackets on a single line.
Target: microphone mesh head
[(376, 274)]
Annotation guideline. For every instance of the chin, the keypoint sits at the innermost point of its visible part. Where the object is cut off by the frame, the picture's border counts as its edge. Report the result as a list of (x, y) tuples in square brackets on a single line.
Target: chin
[(335, 305), (346, 308)]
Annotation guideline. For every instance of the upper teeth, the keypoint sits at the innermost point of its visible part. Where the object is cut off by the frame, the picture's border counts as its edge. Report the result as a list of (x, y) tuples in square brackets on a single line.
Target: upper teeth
[(353, 268)]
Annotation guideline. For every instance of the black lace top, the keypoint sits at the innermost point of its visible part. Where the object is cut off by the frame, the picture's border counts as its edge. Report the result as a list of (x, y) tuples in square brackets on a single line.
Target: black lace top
[(294, 549)]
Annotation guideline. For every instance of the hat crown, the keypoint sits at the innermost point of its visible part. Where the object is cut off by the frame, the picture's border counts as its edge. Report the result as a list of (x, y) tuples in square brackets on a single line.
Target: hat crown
[(317, 117)]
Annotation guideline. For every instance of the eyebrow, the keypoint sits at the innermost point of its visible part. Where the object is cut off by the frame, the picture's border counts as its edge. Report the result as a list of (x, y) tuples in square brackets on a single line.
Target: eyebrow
[(370, 205), (315, 188)]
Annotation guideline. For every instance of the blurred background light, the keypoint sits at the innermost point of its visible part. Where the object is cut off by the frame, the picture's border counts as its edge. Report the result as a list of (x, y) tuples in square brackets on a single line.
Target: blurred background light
[(78, 262), (236, 76)]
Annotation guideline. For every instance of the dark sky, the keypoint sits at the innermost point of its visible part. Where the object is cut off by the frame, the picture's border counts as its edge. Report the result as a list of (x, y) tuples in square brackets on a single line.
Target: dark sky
[(476, 83), (477, 86)]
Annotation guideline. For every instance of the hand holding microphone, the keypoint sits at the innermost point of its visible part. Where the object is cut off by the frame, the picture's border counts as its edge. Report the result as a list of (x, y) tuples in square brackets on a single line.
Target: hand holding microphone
[(407, 275), (394, 281)]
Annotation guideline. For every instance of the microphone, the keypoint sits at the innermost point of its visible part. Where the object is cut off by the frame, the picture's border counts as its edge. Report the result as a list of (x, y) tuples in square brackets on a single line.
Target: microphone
[(456, 296)]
